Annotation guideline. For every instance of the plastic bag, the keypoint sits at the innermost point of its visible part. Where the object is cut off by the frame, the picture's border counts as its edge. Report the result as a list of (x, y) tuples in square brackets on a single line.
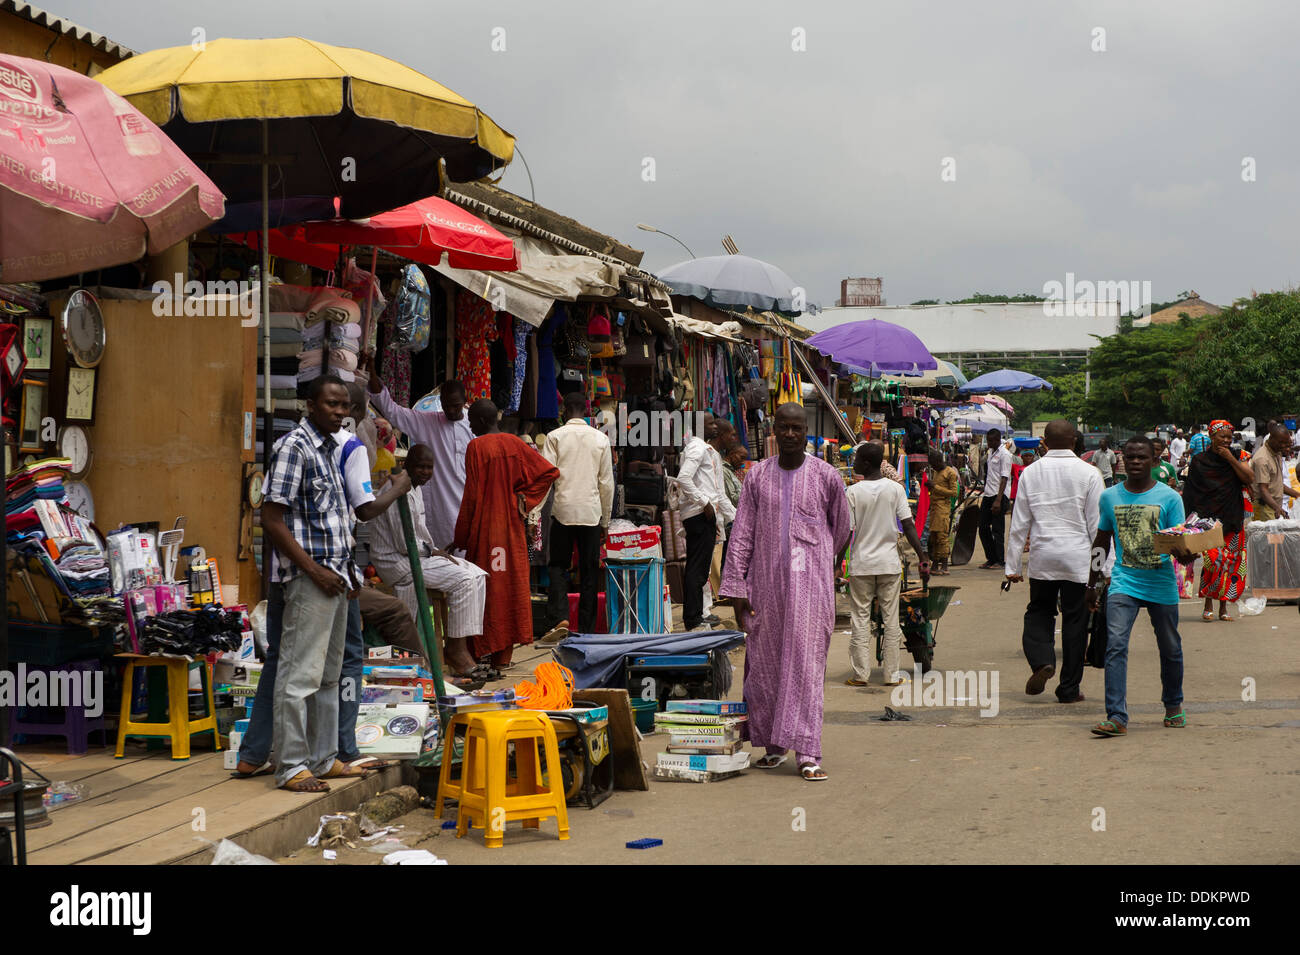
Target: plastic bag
[(228, 853), (62, 794), (257, 620), (410, 311), (1252, 606)]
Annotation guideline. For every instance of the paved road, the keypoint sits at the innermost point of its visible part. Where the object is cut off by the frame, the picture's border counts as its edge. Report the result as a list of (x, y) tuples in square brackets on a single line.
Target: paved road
[(1030, 784)]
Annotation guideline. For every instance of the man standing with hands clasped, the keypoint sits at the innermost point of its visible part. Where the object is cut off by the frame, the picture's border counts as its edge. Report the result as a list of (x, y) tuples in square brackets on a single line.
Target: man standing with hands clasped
[(1057, 511), (994, 504), (1132, 512)]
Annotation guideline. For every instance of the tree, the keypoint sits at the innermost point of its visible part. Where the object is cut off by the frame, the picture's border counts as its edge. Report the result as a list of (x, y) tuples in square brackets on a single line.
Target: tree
[(1244, 362), (1134, 375)]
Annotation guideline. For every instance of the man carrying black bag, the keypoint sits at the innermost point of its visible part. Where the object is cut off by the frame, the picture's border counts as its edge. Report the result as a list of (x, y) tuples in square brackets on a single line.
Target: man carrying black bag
[(1057, 511)]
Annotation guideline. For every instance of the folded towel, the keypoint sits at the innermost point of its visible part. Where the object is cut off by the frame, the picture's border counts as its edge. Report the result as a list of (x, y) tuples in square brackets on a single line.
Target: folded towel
[(334, 308), (281, 335), (350, 330), (308, 359), (341, 360), (291, 320), (279, 381), (281, 349)]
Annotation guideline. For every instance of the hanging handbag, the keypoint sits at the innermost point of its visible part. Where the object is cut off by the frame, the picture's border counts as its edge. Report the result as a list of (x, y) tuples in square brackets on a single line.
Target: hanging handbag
[(640, 345), (571, 342)]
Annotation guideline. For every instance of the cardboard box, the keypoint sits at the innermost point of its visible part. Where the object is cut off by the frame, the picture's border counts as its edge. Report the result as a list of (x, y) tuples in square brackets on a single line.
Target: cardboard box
[(639, 544), (1195, 543), (703, 763), (230, 759), (391, 693), (391, 729)]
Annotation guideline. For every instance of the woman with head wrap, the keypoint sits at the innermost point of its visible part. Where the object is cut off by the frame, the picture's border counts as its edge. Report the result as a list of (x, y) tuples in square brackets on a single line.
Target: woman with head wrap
[(1216, 481)]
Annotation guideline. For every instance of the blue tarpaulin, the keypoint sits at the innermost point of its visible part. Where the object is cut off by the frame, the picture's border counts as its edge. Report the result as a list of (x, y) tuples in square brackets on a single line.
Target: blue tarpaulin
[(596, 659)]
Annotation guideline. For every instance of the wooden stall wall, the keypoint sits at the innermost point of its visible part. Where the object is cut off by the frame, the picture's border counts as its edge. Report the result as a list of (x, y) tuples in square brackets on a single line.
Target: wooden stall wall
[(168, 436)]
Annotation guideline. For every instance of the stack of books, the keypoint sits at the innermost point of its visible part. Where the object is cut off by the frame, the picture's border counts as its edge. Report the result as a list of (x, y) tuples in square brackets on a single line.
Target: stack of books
[(704, 740)]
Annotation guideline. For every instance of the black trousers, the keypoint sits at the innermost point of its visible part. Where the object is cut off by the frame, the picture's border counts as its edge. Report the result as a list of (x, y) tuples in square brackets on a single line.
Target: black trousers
[(701, 535), (993, 529), (588, 539), (1040, 626)]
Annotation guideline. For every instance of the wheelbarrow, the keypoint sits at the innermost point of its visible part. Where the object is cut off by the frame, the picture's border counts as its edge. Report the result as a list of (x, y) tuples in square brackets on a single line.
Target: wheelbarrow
[(919, 610)]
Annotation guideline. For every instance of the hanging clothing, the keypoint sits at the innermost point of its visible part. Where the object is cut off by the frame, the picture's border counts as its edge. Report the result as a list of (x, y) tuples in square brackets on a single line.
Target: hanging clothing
[(548, 396), (520, 359), (490, 529), (1223, 575), (476, 329), (395, 368)]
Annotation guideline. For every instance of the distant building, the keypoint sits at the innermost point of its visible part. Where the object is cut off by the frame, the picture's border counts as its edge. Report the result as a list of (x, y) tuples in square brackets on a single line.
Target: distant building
[(1193, 306), (861, 292)]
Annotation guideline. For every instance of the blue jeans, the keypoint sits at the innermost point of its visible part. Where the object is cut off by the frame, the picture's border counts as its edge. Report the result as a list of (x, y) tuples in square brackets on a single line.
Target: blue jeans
[(256, 746), (1121, 613)]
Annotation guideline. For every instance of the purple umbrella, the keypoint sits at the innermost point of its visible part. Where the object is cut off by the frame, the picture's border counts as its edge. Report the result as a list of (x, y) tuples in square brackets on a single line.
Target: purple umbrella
[(875, 346)]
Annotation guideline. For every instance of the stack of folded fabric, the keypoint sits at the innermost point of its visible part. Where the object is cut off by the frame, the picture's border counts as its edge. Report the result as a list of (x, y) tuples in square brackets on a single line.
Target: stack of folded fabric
[(331, 337), (39, 481)]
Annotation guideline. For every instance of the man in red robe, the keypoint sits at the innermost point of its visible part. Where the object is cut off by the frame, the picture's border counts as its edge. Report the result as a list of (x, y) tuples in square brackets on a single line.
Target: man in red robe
[(504, 480)]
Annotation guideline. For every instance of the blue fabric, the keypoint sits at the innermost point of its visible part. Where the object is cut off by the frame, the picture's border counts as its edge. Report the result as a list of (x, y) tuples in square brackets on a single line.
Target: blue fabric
[(1121, 612), (1133, 520), (596, 659), (1200, 442)]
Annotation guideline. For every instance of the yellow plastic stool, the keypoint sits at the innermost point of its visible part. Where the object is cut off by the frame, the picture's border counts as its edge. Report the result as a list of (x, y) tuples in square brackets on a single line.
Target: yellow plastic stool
[(488, 796), (179, 727)]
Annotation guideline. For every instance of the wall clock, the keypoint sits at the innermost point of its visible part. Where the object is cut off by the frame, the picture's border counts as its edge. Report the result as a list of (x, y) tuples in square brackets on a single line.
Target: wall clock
[(38, 334), (80, 499), (12, 360), (82, 384), (74, 444), (83, 329)]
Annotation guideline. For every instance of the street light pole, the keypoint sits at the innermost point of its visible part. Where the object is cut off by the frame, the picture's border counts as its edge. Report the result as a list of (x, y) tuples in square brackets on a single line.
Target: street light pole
[(649, 228)]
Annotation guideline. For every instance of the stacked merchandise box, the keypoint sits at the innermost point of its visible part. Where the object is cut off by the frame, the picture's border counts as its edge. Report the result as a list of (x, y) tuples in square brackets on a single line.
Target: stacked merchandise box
[(704, 740)]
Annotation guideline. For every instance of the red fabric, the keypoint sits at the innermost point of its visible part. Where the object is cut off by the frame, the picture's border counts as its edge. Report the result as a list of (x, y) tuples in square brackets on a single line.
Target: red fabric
[(1016, 470), (498, 467)]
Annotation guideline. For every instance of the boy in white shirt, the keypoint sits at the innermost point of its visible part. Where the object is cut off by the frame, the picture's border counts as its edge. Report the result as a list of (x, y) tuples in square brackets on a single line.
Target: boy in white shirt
[(877, 507)]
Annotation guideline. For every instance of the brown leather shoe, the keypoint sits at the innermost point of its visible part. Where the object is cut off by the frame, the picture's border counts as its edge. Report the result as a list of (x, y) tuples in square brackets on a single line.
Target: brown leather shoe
[(1077, 698), (1039, 679)]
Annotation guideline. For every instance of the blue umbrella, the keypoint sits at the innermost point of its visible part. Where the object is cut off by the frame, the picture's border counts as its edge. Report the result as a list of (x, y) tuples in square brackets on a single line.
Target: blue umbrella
[(1004, 380), (724, 281)]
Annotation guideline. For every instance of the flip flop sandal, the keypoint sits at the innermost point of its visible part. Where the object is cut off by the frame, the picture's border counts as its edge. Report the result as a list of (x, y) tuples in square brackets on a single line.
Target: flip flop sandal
[(1208, 616), (371, 764), (463, 681), (1227, 619), (305, 782), (852, 682), (1177, 721), (813, 773), (1110, 728), (349, 771), (770, 761), (264, 770)]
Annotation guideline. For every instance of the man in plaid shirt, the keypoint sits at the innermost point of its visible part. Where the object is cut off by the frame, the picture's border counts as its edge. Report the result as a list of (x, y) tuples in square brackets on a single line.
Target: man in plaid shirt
[(305, 516)]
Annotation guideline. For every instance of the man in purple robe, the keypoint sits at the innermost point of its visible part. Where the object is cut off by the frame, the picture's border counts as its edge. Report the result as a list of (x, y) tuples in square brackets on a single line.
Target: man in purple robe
[(792, 522)]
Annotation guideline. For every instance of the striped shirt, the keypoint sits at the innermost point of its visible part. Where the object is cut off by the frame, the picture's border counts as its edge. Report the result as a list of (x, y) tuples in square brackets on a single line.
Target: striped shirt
[(304, 476), (1200, 442)]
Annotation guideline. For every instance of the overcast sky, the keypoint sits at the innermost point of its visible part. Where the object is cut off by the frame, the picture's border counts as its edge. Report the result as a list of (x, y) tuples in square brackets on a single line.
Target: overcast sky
[(1122, 165)]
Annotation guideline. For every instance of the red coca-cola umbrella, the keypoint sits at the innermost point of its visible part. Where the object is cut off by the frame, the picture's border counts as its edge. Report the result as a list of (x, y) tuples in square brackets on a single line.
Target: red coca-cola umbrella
[(424, 232)]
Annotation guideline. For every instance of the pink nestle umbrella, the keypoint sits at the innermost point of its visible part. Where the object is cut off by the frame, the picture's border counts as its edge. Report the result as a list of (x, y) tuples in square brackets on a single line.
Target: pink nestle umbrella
[(86, 181)]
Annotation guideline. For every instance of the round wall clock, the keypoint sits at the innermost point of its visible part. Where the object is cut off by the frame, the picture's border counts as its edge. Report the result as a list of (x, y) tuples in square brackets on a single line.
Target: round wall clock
[(74, 444), (83, 328), (256, 492), (79, 499)]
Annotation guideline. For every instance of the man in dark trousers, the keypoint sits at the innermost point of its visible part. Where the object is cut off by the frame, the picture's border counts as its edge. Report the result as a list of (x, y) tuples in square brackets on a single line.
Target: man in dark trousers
[(994, 503), (1056, 510)]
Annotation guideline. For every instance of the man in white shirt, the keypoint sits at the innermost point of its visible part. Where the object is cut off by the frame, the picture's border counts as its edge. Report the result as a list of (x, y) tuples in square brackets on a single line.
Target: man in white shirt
[(448, 434), (1057, 511), (580, 512), (1177, 448), (877, 506), (464, 584), (705, 509), (994, 504)]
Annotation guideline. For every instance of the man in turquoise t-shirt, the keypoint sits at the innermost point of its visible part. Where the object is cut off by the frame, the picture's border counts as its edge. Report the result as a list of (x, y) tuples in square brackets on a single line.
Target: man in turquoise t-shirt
[(1131, 513)]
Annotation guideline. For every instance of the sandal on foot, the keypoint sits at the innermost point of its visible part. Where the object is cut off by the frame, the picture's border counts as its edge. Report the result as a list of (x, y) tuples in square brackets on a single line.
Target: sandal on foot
[(812, 772), (1110, 728), (370, 764), (263, 770), (305, 782), (1208, 616), (771, 760), (1225, 618), (342, 770), (1177, 721), (852, 681)]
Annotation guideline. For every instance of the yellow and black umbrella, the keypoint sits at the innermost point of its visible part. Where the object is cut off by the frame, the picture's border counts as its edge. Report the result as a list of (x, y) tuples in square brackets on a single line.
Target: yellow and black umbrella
[(338, 122)]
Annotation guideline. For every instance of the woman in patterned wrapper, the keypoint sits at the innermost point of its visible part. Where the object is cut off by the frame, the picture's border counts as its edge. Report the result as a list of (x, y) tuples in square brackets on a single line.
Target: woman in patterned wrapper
[(1216, 481)]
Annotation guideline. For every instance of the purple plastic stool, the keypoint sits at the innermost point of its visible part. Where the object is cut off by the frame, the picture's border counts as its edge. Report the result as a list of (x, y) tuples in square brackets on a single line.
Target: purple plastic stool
[(75, 726)]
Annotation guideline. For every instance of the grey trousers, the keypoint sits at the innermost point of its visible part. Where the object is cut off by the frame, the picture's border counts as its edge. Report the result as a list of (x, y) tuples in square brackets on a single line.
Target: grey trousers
[(306, 707)]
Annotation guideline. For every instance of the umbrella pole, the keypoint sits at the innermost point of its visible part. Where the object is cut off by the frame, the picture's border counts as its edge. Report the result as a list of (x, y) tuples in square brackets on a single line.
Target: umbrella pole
[(267, 408)]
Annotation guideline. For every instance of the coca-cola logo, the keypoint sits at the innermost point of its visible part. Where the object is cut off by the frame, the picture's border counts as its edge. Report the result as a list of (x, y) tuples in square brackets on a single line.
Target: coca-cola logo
[(459, 225)]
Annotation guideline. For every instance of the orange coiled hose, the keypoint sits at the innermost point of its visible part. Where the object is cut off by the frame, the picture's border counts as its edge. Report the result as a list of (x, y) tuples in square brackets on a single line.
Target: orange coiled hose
[(553, 689)]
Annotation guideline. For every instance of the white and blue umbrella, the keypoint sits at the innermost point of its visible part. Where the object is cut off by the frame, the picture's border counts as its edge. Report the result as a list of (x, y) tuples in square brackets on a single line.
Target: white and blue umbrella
[(728, 281)]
